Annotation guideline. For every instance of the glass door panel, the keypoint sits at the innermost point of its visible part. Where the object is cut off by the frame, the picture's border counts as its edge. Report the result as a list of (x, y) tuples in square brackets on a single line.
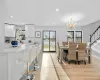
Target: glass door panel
[(49, 40), (46, 41), (52, 40)]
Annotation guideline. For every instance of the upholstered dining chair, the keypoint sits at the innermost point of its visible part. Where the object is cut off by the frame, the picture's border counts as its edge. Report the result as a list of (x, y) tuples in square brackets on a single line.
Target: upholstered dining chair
[(72, 52), (65, 43), (82, 52), (65, 52)]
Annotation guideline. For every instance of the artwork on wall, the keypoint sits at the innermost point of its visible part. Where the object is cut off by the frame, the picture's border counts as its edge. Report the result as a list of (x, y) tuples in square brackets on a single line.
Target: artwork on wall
[(37, 34)]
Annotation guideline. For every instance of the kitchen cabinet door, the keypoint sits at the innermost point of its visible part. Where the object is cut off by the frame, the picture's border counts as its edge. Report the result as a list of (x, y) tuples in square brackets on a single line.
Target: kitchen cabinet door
[(29, 30), (10, 30)]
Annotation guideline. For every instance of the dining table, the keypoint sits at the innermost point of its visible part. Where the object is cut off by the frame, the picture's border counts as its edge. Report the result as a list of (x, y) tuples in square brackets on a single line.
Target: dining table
[(60, 54), (65, 47)]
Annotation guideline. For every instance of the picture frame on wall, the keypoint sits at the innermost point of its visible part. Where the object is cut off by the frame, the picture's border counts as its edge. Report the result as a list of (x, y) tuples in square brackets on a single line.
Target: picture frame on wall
[(37, 34)]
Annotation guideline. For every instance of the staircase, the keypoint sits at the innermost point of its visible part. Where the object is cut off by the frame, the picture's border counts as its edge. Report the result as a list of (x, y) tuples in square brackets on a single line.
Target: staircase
[(95, 42)]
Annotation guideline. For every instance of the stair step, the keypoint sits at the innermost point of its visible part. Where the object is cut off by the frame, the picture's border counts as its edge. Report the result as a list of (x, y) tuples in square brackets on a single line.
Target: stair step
[(96, 44)]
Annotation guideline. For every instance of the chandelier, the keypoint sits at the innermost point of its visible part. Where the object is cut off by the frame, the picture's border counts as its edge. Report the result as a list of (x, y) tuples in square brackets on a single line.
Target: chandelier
[(71, 23)]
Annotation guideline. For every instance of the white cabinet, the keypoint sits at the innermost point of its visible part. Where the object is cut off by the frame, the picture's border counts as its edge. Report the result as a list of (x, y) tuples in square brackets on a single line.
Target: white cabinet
[(10, 30), (14, 64), (3, 67), (29, 30)]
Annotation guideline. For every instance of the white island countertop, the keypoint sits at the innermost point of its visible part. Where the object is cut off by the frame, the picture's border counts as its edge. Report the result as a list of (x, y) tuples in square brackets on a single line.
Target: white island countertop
[(17, 49), (13, 60)]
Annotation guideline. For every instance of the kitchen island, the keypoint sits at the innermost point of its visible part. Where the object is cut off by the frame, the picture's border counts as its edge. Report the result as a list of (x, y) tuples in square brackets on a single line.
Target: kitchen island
[(13, 60)]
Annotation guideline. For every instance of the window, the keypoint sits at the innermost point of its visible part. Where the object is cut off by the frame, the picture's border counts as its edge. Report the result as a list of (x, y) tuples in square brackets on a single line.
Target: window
[(74, 36), (78, 36), (70, 36)]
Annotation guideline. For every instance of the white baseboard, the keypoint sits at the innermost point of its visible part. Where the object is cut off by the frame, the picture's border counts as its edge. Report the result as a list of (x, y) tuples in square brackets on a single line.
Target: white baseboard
[(97, 50), (96, 57), (93, 46)]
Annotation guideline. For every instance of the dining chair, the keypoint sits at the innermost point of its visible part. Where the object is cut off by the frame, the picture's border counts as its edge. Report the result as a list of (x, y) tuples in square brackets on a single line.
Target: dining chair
[(65, 43), (72, 52), (65, 52), (82, 52)]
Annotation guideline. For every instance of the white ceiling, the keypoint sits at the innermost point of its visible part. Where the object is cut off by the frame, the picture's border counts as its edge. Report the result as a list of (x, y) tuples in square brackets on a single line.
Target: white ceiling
[(43, 12)]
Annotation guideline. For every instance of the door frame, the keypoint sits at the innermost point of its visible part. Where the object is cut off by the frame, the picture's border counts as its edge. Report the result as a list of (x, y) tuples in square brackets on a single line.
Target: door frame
[(49, 40)]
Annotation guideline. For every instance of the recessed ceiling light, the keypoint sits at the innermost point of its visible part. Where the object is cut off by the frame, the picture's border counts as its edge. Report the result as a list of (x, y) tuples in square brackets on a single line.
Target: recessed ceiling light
[(11, 16), (57, 10), (53, 23)]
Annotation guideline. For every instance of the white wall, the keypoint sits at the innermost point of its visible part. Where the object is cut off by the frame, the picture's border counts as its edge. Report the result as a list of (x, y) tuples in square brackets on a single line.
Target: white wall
[(61, 32), (3, 14), (89, 29)]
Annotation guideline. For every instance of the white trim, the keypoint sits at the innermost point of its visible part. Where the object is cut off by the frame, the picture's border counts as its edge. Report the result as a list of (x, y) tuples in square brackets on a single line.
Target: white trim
[(95, 49), (75, 34), (96, 57), (98, 41)]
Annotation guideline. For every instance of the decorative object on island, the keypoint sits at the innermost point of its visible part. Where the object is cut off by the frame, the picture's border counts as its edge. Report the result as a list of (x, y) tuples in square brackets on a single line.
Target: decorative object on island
[(29, 41), (20, 34), (37, 34), (14, 43)]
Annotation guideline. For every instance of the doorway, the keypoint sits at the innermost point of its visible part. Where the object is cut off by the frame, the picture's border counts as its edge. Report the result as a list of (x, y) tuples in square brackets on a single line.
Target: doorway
[(49, 41)]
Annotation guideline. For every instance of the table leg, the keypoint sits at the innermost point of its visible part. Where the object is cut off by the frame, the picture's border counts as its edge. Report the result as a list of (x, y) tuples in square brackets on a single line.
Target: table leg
[(58, 55), (89, 57), (61, 56)]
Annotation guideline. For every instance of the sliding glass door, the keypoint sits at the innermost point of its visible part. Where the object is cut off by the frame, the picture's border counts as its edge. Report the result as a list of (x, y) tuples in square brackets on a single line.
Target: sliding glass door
[(49, 41)]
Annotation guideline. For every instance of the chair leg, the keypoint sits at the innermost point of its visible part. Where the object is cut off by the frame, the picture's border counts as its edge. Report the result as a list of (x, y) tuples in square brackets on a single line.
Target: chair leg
[(68, 62), (66, 59), (58, 59), (78, 62), (85, 62), (75, 62)]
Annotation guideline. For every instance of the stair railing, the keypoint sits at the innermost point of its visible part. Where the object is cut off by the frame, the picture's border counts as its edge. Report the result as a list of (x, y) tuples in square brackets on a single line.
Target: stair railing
[(95, 36)]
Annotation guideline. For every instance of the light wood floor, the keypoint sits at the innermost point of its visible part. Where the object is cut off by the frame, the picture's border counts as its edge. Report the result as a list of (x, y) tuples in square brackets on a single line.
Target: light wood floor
[(83, 72), (59, 70), (52, 70), (47, 68)]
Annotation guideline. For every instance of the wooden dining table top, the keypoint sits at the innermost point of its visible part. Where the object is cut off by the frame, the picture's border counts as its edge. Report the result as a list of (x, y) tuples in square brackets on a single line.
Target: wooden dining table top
[(63, 47), (66, 47)]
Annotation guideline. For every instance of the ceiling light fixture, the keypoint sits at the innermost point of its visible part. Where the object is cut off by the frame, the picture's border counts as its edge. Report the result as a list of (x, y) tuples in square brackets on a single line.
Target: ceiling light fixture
[(57, 10), (11, 16), (71, 23)]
